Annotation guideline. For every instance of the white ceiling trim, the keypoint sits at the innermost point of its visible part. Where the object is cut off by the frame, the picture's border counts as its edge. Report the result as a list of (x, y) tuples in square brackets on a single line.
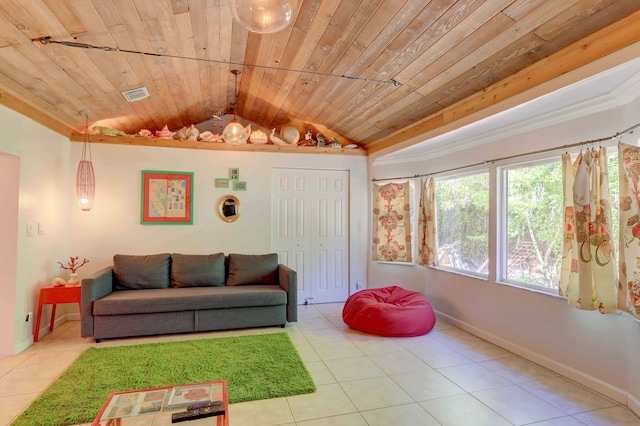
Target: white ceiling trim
[(624, 93)]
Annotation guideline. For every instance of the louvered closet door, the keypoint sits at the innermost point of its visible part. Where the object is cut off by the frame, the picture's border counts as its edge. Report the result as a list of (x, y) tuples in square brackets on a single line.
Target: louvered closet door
[(310, 230), (290, 231)]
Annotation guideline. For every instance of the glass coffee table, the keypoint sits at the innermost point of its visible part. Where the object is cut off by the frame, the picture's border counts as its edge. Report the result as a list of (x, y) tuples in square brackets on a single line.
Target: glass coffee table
[(157, 405)]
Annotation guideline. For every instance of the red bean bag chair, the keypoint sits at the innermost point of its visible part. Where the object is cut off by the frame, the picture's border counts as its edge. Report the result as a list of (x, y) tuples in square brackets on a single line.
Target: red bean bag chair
[(389, 311)]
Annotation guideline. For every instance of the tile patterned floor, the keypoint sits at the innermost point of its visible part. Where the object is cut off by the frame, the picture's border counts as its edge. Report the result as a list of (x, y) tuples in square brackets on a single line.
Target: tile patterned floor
[(447, 377)]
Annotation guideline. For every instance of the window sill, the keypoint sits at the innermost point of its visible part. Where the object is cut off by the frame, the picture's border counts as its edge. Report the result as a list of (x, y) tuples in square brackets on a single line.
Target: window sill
[(388, 262), (461, 272)]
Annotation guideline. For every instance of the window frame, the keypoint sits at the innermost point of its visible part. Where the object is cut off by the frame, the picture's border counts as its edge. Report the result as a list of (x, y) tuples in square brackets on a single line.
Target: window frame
[(459, 175), (501, 226)]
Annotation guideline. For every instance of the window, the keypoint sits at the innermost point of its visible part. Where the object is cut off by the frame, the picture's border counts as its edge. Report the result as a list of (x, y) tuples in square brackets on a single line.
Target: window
[(534, 213), (462, 211)]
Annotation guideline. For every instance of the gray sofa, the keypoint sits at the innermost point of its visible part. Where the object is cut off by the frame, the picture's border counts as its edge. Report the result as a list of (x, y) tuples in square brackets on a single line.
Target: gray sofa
[(176, 293)]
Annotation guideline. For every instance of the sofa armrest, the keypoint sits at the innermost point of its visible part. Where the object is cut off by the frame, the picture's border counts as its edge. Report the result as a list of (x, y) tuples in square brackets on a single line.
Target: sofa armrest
[(288, 279), (97, 285)]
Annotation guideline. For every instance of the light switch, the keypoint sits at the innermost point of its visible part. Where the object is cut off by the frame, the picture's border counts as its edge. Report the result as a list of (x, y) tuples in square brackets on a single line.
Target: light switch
[(40, 228), (29, 229)]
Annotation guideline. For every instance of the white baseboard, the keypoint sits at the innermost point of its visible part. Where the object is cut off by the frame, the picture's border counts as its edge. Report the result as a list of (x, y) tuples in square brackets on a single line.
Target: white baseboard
[(634, 404), (71, 317), (24, 345), (44, 328), (613, 392)]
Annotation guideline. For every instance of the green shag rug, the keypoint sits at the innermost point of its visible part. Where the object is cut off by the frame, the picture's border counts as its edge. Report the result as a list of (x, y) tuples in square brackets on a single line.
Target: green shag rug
[(255, 367)]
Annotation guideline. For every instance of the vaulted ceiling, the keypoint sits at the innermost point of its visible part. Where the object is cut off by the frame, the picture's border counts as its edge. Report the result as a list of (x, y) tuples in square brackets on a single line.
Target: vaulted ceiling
[(371, 72)]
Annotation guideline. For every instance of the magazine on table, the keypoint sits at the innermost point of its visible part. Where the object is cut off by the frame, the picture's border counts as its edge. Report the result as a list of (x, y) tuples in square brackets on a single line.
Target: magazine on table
[(133, 404), (191, 394)]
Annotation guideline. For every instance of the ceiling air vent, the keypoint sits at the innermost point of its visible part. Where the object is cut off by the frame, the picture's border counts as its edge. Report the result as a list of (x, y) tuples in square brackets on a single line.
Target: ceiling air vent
[(136, 94)]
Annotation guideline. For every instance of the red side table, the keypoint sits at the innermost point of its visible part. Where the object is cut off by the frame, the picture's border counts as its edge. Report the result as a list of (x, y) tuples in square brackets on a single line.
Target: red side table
[(53, 296)]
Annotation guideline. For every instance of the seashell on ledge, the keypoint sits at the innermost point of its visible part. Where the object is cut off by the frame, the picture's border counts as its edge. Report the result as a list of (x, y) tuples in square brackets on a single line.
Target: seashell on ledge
[(207, 136), (58, 282), (275, 139), (258, 137)]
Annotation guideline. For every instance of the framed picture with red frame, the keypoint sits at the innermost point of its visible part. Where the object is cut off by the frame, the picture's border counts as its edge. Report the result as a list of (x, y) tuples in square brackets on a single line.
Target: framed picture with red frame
[(167, 198)]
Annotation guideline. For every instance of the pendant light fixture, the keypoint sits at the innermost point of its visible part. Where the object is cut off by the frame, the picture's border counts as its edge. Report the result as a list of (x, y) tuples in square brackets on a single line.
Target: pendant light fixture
[(263, 16), (85, 179), (234, 133)]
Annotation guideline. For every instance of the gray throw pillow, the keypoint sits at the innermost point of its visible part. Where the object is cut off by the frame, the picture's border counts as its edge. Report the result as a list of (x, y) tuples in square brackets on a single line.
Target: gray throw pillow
[(197, 270), (138, 272), (253, 269)]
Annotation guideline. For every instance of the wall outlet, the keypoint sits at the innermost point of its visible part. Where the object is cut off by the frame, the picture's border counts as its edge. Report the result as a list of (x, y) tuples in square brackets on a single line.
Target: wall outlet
[(29, 317), (29, 229), (358, 285), (40, 228)]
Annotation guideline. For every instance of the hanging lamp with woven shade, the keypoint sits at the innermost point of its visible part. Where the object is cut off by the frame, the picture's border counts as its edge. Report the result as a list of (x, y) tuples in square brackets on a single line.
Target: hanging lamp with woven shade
[(85, 178)]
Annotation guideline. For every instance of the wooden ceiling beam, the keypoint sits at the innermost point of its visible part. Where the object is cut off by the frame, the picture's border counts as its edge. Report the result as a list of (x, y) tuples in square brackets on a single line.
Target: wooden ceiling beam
[(34, 112), (615, 37), (212, 146)]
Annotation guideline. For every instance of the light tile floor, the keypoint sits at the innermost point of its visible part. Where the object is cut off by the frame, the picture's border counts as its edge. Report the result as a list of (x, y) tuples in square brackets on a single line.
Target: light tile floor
[(447, 377)]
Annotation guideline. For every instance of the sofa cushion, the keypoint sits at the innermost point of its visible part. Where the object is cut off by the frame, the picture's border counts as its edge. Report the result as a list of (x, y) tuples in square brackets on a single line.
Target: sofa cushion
[(141, 272), (253, 269), (197, 270), (188, 299)]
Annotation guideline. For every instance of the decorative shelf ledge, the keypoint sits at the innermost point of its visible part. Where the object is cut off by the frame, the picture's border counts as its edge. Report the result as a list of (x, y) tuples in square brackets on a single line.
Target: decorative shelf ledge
[(175, 143)]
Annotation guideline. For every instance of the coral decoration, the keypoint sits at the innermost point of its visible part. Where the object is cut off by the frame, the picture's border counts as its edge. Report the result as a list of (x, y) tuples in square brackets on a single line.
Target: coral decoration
[(58, 282), (144, 133), (165, 133), (109, 132), (73, 265)]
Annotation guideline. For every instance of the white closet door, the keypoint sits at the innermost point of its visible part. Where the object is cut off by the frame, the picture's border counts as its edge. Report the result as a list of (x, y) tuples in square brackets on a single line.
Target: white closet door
[(290, 232), (329, 236), (310, 230)]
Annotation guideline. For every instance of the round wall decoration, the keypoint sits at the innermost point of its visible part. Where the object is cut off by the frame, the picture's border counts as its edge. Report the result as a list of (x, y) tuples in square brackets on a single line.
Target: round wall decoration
[(290, 134)]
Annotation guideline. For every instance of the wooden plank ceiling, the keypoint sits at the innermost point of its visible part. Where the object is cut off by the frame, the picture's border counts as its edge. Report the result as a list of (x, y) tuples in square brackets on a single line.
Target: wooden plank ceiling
[(441, 52)]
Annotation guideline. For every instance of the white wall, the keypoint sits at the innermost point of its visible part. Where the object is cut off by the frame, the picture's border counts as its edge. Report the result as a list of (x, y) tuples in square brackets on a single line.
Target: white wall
[(48, 164), (113, 225), (10, 178), (597, 350), (43, 197)]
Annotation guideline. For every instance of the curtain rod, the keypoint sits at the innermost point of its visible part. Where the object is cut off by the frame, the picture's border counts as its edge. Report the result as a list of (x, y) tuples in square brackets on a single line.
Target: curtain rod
[(495, 160)]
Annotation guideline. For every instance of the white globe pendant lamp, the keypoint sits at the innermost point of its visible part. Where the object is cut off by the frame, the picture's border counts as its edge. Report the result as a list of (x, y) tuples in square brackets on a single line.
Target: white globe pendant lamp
[(234, 133), (263, 16)]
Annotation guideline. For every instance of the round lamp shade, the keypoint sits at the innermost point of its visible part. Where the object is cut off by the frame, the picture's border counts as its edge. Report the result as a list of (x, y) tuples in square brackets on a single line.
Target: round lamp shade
[(290, 134), (263, 16), (235, 134)]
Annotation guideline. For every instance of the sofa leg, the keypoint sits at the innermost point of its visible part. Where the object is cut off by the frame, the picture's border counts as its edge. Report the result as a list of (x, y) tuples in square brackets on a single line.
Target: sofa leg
[(98, 340), (283, 325)]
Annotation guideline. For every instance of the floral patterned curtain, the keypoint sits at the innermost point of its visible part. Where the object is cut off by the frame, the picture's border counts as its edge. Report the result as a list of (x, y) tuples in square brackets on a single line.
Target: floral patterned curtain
[(589, 281), (629, 282), (427, 224), (391, 222), (569, 268)]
